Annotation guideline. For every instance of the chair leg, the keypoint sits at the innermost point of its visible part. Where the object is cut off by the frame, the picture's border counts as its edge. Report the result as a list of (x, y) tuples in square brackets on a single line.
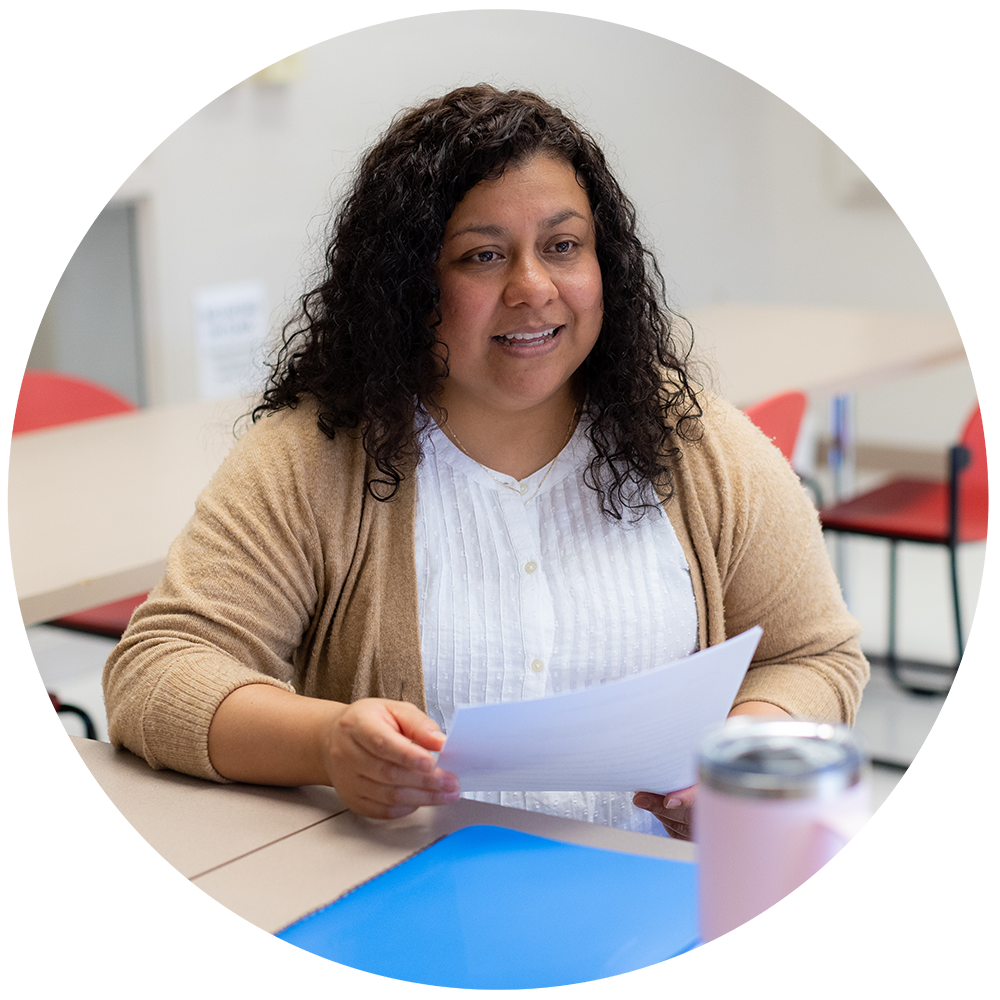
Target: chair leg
[(892, 661), (891, 650), (962, 686), (960, 690), (88, 723)]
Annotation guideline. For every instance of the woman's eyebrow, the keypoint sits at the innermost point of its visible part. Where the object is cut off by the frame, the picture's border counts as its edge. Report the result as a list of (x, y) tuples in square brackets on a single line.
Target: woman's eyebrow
[(486, 229), (561, 217), (490, 229)]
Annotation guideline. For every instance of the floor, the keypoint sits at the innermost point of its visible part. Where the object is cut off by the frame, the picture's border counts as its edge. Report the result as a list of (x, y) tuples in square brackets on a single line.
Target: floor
[(939, 831)]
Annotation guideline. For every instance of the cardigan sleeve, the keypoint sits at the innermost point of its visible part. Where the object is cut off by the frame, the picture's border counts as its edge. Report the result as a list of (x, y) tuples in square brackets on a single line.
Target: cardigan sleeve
[(769, 566), (240, 586)]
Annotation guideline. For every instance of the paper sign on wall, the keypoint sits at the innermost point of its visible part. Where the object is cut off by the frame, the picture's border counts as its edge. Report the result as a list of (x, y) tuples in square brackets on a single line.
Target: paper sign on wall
[(230, 330)]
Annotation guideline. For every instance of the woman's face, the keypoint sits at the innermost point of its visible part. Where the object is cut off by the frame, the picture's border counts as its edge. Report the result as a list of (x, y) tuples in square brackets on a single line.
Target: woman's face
[(521, 299)]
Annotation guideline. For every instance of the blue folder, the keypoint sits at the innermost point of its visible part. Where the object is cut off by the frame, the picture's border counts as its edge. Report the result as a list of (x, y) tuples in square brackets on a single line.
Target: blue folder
[(492, 908)]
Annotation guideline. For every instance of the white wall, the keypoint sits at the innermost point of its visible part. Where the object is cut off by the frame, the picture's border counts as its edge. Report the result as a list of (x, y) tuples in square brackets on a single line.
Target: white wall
[(743, 199)]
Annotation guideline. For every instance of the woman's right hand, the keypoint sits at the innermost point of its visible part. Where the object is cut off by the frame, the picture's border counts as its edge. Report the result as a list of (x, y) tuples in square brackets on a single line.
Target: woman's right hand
[(375, 752), (378, 756)]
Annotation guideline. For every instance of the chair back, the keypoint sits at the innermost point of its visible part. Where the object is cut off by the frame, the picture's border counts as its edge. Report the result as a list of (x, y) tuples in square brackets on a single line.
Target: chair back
[(780, 418), (50, 399), (968, 489), (974, 441)]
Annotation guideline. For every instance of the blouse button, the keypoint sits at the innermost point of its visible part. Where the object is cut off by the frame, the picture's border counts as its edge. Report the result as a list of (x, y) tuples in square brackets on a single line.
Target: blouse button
[(530, 567), (523, 488), (537, 666)]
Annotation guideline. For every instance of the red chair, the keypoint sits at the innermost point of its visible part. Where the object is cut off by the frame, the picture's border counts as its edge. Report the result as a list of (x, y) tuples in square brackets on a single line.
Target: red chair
[(780, 418), (50, 399), (931, 512)]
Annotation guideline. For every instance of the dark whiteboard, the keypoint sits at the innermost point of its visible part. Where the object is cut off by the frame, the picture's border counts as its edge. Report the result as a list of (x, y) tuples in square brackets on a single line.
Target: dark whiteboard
[(930, 98)]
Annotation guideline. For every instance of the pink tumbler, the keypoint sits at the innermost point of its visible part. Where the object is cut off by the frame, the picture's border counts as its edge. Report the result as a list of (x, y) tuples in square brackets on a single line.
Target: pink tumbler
[(776, 800)]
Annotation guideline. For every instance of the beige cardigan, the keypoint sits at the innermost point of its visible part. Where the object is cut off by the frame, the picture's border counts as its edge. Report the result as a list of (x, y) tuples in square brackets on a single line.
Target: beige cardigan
[(289, 573)]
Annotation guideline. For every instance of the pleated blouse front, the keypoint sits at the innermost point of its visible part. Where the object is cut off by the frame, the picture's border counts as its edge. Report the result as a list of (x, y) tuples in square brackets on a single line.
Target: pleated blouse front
[(530, 591)]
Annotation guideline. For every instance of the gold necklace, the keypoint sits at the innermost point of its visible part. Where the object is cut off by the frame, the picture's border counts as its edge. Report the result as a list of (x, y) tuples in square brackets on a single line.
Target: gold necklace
[(520, 489)]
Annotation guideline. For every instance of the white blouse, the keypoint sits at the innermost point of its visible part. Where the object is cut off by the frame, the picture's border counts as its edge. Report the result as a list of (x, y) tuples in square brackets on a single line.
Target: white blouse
[(532, 592)]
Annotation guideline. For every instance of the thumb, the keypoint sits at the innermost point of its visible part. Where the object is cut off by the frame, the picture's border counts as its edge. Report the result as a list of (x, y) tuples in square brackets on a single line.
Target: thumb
[(416, 725), (682, 799)]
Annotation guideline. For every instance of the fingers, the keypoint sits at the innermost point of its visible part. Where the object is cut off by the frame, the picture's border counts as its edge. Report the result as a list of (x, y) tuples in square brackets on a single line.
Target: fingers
[(673, 810), (391, 797), (386, 730), (381, 759), (400, 783), (683, 798), (387, 801)]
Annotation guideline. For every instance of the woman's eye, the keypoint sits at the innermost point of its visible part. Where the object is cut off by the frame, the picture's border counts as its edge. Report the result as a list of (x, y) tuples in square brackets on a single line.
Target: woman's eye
[(485, 256), (563, 246)]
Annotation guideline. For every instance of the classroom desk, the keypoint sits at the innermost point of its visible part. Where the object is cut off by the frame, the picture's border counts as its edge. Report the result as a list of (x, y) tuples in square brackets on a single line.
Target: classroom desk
[(120, 877), (93, 506), (755, 351)]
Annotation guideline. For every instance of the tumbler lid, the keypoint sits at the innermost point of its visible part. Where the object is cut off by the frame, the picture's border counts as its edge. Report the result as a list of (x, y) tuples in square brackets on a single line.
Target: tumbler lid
[(779, 758)]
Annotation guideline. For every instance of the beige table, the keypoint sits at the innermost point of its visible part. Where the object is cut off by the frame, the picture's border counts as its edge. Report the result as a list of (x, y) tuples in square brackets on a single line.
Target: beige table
[(93, 506), (755, 351), (124, 878)]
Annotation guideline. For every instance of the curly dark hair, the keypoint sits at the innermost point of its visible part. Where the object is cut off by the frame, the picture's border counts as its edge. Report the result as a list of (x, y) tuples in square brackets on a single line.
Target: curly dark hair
[(363, 340)]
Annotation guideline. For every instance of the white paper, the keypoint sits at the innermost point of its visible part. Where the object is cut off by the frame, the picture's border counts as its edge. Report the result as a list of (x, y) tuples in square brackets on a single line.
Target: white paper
[(639, 733)]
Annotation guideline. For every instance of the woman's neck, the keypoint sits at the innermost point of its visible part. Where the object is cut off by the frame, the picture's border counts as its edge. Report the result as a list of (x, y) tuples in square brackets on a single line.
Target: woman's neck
[(514, 443)]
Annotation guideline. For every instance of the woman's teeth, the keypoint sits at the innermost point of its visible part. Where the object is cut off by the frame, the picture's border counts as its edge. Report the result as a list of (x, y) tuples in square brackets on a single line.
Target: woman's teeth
[(512, 338)]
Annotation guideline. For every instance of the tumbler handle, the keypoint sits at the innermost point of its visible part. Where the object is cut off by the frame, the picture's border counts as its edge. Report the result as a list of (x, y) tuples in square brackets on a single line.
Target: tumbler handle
[(865, 844)]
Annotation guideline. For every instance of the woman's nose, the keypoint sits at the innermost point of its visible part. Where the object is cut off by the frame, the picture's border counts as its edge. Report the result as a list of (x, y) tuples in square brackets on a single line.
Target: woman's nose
[(529, 283)]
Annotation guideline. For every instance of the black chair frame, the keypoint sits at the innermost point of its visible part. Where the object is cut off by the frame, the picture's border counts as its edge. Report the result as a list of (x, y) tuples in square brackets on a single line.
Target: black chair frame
[(88, 722), (958, 459)]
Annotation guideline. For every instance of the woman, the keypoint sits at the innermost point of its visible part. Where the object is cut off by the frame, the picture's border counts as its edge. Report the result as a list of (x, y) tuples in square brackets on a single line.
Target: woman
[(479, 472)]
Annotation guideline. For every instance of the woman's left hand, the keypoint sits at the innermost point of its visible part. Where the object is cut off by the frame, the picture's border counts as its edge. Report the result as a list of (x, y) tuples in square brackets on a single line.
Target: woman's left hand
[(672, 810)]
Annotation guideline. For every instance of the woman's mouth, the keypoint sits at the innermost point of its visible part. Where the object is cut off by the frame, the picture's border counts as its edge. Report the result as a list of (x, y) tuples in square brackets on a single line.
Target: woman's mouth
[(527, 339)]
